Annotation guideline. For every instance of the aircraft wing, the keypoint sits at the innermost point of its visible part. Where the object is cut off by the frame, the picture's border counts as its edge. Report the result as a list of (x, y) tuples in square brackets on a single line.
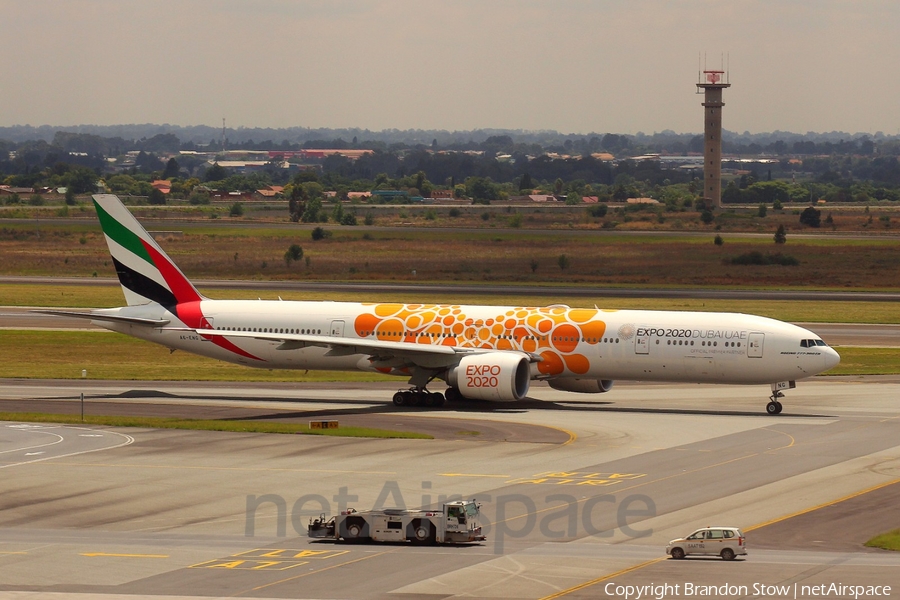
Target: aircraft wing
[(425, 355), (96, 316)]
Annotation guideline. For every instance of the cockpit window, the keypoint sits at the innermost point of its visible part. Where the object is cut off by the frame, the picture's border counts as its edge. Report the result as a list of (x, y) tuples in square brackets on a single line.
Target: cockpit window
[(812, 343), (820, 343)]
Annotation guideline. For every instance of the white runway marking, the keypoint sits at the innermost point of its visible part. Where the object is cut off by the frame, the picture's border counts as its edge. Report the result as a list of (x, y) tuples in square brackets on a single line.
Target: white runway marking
[(126, 440), (34, 429)]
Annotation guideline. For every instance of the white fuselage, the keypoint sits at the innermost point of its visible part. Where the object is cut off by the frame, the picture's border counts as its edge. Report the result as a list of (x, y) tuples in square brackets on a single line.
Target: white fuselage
[(572, 343)]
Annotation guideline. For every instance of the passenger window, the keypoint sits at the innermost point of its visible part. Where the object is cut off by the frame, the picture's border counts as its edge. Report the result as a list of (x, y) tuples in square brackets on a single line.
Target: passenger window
[(716, 534), (729, 534)]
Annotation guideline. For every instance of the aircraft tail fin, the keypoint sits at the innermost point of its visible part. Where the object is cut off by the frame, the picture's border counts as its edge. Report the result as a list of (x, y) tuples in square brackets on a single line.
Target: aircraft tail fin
[(146, 273)]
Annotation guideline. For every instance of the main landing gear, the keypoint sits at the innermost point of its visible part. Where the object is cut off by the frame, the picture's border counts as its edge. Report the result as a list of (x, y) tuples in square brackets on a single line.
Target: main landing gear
[(416, 397)]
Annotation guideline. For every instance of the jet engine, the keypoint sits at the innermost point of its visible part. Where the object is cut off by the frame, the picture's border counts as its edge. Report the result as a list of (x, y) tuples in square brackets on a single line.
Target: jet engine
[(582, 386), (493, 376)]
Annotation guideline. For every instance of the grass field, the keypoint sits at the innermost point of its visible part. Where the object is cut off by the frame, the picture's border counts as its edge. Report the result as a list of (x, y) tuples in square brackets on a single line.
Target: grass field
[(106, 355), (505, 255), (211, 425), (886, 541)]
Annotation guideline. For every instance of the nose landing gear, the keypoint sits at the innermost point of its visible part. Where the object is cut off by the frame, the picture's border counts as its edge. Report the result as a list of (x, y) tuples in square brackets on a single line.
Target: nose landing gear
[(774, 406)]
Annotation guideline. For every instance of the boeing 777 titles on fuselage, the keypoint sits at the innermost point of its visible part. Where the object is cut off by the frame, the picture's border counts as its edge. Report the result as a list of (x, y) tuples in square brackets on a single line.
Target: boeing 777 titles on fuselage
[(482, 352)]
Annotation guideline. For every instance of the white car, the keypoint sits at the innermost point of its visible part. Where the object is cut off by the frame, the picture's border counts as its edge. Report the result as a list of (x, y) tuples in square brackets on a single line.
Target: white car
[(726, 542)]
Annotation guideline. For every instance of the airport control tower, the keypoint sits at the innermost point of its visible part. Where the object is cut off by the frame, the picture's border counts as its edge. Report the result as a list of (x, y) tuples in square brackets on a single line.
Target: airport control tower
[(712, 83)]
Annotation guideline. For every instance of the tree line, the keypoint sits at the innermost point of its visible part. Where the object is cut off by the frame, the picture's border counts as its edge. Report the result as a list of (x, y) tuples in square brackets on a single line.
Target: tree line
[(504, 166)]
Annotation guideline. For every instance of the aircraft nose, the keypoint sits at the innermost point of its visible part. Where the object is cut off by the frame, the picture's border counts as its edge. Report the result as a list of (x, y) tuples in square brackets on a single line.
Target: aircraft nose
[(832, 358)]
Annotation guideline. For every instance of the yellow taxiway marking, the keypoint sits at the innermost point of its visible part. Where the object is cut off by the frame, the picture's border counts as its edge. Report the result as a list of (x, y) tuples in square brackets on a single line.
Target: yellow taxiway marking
[(13, 552), (92, 554), (823, 505), (572, 436), (643, 484), (289, 553), (587, 584), (250, 565), (328, 568), (790, 437), (558, 478), (268, 559), (751, 528)]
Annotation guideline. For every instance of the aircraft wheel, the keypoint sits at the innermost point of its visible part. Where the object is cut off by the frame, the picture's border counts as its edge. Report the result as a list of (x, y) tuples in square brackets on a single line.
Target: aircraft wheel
[(399, 399), (773, 408), (452, 395), (779, 407), (414, 398), (426, 399), (437, 399)]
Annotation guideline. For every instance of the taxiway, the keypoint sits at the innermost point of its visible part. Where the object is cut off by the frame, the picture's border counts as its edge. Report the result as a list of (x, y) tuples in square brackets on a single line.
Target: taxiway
[(592, 500)]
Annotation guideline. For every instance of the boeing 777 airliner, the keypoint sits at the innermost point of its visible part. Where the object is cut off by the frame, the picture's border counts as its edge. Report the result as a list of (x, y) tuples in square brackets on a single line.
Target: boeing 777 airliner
[(482, 352)]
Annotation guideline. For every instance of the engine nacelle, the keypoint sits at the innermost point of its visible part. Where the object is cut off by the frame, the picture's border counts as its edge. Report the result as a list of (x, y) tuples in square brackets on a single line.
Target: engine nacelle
[(494, 376), (582, 386)]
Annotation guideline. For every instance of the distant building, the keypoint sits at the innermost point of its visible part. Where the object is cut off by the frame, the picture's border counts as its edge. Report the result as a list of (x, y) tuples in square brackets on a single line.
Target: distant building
[(241, 166), (8, 190), (271, 191), (317, 153), (389, 194), (163, 185)]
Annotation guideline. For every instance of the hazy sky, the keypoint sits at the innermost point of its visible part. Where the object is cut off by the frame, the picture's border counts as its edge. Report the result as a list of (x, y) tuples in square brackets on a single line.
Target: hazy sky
[(576, 66)]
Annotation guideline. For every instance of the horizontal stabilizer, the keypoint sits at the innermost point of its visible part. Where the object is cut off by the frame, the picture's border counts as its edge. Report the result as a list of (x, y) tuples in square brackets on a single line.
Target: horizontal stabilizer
[(93, 316)]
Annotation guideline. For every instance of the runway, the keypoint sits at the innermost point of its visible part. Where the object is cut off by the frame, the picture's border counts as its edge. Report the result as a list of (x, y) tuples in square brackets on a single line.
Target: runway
[(515, 290), (189, 513)]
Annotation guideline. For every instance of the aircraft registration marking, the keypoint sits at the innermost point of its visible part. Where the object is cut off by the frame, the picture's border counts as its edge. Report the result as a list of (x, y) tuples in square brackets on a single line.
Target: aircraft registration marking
[(268, 559), (586, 478)]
